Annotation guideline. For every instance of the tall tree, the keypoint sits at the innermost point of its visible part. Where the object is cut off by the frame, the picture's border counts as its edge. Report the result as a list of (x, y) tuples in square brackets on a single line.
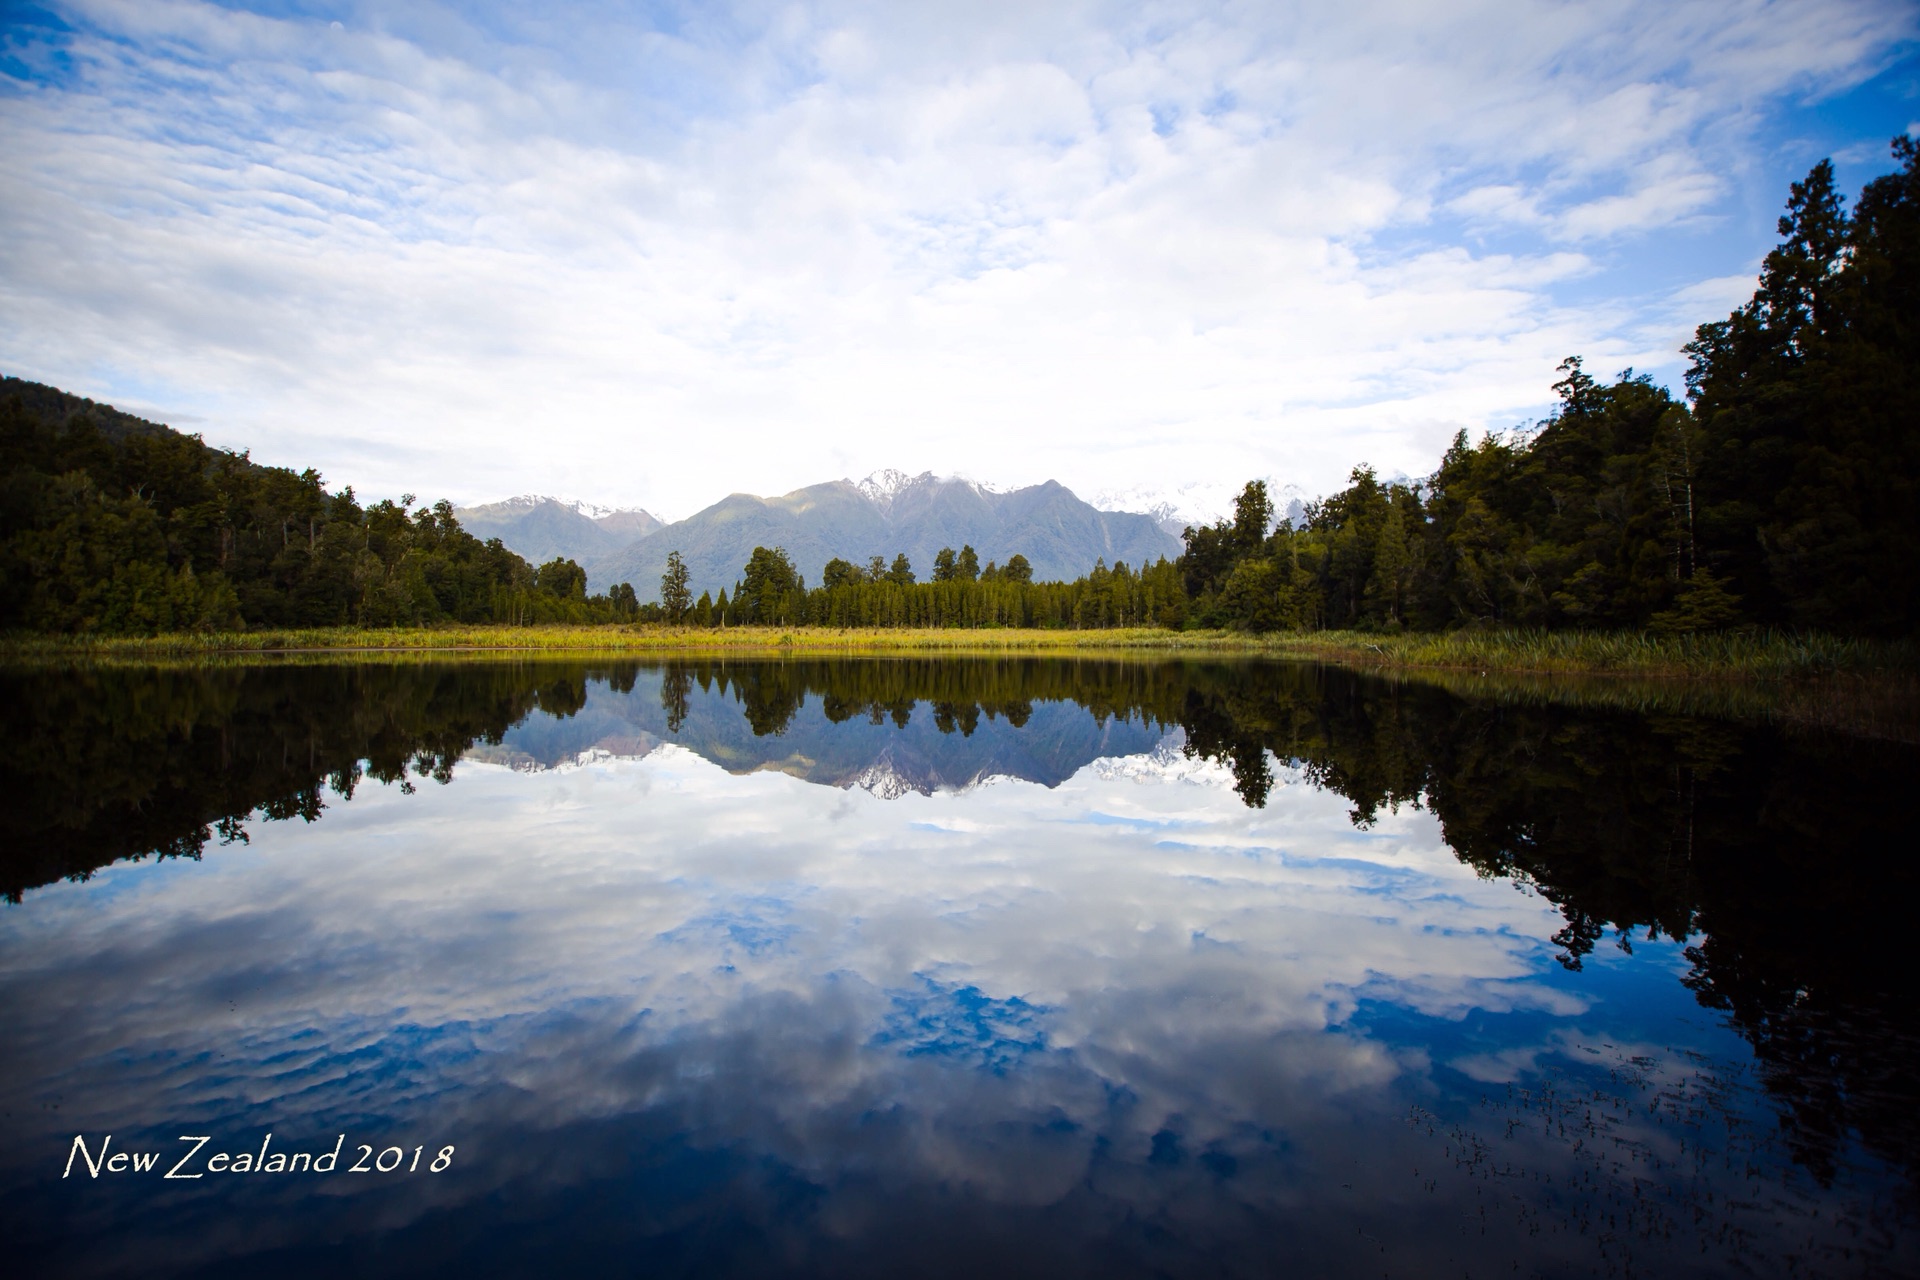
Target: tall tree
[(764, 587), (1252, 517), (676, 596), (1806, 397), (840, 573)]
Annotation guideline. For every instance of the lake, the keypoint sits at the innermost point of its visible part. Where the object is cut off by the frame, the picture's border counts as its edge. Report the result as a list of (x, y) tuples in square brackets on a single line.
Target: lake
[(943, 967)]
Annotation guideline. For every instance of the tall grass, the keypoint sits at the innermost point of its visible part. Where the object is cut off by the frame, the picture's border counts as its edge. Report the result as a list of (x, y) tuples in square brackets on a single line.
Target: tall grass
[(603, 639), (1716, 655)]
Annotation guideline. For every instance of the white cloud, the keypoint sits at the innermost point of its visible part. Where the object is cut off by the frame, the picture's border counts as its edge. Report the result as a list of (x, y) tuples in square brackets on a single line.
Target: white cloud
[(1087, 242)]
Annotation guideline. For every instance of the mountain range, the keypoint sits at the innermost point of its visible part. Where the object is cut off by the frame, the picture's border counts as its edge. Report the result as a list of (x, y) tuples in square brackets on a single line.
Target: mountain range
[(886, 514), (542, 528)]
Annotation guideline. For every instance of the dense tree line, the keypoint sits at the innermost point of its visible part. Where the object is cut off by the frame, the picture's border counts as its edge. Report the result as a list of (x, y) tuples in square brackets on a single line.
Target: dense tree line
[(111, 524), (771, 592), (1783, 493)]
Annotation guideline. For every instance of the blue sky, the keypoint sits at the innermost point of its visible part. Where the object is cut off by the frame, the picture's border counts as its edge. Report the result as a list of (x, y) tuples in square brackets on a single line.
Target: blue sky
[(654, 254)]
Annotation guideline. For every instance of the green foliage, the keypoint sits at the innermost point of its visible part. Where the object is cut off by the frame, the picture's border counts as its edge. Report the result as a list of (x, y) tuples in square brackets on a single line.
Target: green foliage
[(1809, 493), (768, 588), (1702, 604), (624, 602), (561, 578), (841, 573), (110, 525), (675, 598), (771, 593)]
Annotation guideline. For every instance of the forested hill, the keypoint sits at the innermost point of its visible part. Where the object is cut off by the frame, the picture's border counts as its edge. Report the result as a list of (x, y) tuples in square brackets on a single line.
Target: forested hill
[(112, 523)]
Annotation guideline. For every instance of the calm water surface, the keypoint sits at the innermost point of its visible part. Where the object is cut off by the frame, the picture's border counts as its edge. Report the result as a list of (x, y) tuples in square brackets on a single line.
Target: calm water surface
[(944, 968)]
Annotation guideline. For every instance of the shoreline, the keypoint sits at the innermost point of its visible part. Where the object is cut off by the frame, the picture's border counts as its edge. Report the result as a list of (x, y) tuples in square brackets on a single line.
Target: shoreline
[(1740, 656)]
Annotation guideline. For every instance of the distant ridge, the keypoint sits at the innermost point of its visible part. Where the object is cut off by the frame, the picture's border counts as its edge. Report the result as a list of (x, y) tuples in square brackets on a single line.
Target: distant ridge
[(885, 514), (541, 528)]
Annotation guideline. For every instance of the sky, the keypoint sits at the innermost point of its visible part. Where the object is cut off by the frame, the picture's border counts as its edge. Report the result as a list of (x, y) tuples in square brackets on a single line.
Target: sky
[(654, 254)]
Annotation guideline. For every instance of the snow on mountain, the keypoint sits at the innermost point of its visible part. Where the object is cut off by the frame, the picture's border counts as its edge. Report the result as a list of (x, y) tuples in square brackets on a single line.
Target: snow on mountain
[(883, 486), (540, 527), (530, 501)]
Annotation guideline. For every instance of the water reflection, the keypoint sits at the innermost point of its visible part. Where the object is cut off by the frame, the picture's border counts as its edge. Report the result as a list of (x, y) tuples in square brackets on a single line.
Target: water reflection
[(1241, 984)]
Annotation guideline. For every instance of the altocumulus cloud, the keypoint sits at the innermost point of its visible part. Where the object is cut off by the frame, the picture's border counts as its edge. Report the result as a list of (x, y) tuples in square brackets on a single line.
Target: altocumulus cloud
[(656, 256)]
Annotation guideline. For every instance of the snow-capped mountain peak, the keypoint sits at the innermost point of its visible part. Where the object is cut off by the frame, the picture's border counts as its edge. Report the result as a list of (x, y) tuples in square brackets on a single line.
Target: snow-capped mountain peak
[(885, 486)]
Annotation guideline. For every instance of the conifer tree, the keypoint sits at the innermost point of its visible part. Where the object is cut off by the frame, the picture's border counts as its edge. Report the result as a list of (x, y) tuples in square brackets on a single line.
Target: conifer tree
[(675, 596)]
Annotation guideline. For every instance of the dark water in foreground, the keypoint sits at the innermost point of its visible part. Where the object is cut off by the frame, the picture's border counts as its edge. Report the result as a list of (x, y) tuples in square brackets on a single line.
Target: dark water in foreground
[(944, 968)]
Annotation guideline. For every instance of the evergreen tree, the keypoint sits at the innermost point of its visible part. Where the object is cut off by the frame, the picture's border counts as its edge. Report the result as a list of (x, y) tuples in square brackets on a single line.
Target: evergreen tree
[(840, 573), (676, 598), (764, 587), (1252, 517)]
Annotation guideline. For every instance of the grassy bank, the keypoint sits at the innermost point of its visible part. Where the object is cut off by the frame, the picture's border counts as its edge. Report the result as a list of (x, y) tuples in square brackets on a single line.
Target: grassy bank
[(1761, 655), (634, 639), (1731, 655)]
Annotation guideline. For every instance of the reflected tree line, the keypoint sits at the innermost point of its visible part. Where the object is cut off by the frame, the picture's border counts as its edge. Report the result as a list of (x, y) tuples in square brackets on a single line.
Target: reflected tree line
[(1765, 853), (957, 695), (119, 763)]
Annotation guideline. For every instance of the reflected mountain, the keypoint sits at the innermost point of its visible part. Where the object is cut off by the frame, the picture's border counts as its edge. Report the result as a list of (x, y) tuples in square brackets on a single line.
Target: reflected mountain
[(911, 733)]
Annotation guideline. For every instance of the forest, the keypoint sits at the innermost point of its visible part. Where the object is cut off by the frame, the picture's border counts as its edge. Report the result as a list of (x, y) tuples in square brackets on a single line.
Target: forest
[(115, 525), (1780, 492)]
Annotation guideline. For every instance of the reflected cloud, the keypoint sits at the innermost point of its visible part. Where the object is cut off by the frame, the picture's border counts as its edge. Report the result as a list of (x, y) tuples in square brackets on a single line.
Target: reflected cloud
[(650, 978)]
